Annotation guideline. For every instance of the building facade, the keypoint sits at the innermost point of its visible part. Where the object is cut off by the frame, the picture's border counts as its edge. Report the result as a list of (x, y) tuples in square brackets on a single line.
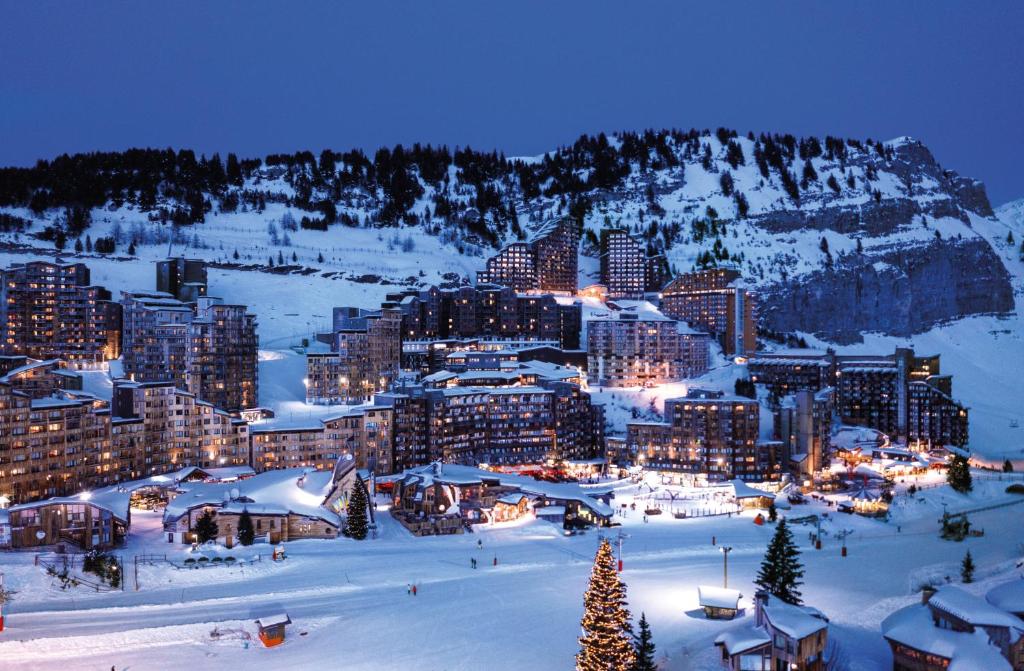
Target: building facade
[(208, 347), (549, 262), (623, 264), (51, 311), (706, 436), (185, 279), (714, 301), (365, 357), (632, 350)]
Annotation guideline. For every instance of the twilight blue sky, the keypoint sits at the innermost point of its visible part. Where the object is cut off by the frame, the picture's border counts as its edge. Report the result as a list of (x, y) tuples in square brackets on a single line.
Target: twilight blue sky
[(522, 77)]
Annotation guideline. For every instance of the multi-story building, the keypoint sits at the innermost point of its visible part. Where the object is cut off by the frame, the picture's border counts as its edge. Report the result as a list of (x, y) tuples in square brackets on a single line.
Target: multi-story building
[(52, 446), (208, 347), (51, 311), (177, 429), (705, 436), (365, 357), (38, 379), (900, 394), (803, 425), (549, 262), (631, 349), (185, 279), (221, 363), (488, 311), (623, 264), (714, 301)]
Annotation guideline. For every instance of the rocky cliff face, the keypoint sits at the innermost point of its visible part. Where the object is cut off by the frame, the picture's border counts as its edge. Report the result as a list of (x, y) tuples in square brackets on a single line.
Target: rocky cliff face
[(900, 292)]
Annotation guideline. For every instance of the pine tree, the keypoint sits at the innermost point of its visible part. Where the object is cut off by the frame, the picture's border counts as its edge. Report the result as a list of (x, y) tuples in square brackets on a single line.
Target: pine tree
[(1007, 466), (644, 648), (1009, 238), (606, 642), (235, 255), (131, 248), (246, 532), (959, 474), (78, 245), (356, 524), (967, 568), (781, 569), (206, 527), (320, 257)]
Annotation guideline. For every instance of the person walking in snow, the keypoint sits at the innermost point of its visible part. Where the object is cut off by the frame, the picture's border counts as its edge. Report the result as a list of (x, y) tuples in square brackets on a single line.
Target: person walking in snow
[(479, 543), (408, 588), (414, 590)]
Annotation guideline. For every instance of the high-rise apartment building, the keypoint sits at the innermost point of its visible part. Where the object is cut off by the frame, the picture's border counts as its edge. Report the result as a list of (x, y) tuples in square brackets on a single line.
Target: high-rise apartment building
[(549, 262), (715, 301), (51, 311)]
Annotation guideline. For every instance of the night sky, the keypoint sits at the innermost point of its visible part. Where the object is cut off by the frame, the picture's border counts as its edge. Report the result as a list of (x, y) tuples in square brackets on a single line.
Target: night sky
[(520, 77)]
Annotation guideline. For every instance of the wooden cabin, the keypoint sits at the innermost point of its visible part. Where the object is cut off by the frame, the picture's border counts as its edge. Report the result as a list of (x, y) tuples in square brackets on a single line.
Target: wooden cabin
[(719, 603), (271, 629), (77, 521)]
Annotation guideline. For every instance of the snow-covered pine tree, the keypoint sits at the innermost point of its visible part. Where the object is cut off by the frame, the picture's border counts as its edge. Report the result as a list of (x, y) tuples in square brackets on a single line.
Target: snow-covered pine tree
[(959, 474), (781, 569), (246, 532), (206, 527), (644, 648), (356, 525), (606, 644), (967, 568)]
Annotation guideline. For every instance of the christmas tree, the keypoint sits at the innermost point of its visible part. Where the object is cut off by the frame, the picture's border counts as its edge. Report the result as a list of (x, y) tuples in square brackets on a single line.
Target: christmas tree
[(781, 569), (206, 527), (644, 648), (606, 643), (959, 474), (246, 533), (967, 568), (356, 525)]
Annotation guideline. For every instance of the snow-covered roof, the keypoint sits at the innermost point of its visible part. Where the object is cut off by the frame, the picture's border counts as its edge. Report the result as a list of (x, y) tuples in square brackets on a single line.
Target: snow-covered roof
[(114, 500), (456, 474), (511, 499), (913, 627), (718, 597), (973, 609), (299, 491), (273, 620), (1009, 596), (795, 621), (742, 490), (742, 639)]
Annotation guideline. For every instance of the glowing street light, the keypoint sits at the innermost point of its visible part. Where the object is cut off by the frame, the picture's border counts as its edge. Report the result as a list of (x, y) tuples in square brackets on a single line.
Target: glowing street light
[(725, 566)]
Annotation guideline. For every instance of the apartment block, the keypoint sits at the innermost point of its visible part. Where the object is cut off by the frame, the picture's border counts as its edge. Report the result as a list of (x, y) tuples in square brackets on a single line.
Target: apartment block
[(549, 262), (185, 279), (488, 311), (623, 264), (51, 311), (706, 436), (636, 349), (900, 394), (714, 301), (364, 360), (803, 426), (207, 347)]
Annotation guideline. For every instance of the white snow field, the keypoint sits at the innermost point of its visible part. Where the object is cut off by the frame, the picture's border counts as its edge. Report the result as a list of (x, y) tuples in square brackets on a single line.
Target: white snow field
[(350, 607)]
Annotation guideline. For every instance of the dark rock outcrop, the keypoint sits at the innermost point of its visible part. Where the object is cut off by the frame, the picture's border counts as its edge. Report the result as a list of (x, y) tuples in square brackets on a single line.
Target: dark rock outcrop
[(900, 292)]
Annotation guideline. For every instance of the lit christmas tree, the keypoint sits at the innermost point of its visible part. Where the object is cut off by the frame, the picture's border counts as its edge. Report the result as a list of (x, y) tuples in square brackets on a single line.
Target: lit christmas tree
[(356, 525), (606, 644)]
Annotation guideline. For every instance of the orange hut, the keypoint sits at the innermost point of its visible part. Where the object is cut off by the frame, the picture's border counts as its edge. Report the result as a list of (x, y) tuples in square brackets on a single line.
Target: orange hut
[(272, 629)]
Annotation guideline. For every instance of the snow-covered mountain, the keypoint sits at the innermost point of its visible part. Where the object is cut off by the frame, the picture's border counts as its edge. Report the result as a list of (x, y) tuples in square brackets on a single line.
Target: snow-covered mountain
[(838, 236)]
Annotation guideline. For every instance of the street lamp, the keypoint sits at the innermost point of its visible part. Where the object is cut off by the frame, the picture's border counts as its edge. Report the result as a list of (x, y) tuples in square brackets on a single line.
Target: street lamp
[(725, 565)]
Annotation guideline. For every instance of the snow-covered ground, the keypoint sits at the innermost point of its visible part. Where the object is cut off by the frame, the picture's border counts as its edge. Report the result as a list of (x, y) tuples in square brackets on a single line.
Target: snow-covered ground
[(349, 600)]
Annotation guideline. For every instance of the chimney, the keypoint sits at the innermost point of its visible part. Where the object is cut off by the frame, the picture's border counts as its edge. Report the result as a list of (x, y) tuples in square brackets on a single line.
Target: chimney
[(927, 592)]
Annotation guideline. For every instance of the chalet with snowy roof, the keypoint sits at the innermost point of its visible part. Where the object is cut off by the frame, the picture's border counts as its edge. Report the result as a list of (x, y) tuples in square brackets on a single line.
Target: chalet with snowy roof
[(783, 636), (719, 603), (440, 498), (89, 521), (284, 505), (38, 378), (955, 631), (1009, 597)]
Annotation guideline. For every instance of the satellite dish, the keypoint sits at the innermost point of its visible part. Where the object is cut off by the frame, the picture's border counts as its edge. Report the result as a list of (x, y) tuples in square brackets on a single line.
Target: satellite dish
[(40, 534)]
